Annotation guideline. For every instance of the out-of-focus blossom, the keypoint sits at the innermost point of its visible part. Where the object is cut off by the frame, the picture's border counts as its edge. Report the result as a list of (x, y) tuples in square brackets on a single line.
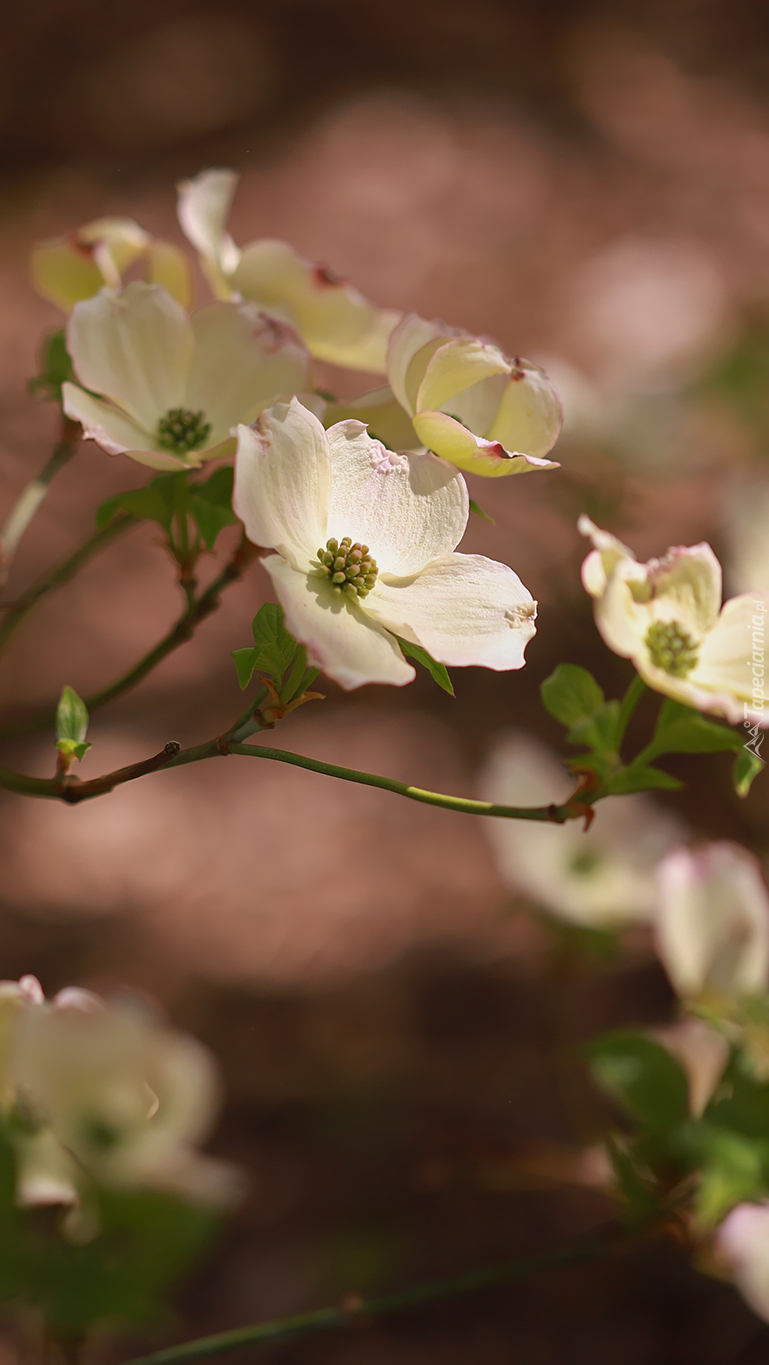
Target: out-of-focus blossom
[(365, 543), (746, 525), (702, 1053), (68, 269), (174, 385), (104, 1092), (667, 617), (600, 878), (467, 401), (742, 1241), (712, 922), (336, 322)]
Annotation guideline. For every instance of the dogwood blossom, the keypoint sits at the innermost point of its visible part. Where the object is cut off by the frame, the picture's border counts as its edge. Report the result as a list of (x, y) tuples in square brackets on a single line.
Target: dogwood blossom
[(466, 400), (600, 878), (68, 269), (742, 1241), (98, 1091), (667, 617), (336, 322), (712, 922), (365, 542), (172, 385), (702, 1054)]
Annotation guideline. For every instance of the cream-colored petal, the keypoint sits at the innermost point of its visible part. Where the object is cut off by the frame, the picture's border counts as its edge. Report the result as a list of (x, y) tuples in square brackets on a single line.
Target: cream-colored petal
[(411, 336), (607, 553), (712, 923), (463, 609), (452, 441), (386, 420), (339, 638), (113, 431), (63, 274), (457, 365), (530, 415), (621, 617), (333, 319), (203, 209), (243, 361), (733, 660), (282, 478), (743, 1242), (167, 265), (133, 347), (406, 508), (686, 587)]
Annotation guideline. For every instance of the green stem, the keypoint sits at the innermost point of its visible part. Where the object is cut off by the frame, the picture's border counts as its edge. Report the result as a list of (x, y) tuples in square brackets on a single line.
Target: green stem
[(196, 611), (355, 1308), (58, 576), (32, 495), (630, 700), (181, 503)]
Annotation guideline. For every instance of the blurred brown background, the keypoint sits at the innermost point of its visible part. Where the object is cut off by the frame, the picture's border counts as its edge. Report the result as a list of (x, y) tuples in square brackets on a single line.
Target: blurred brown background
[(589, 183)]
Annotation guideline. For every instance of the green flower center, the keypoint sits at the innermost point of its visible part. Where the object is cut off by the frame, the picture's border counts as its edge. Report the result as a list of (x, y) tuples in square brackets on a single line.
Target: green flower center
[(349, 565), (671, 648), (182, 430)]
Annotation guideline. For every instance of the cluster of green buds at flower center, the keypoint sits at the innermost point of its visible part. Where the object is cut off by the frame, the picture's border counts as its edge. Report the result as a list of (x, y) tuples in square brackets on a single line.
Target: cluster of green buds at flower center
[(349, 565), (671, 648), (182, 430)]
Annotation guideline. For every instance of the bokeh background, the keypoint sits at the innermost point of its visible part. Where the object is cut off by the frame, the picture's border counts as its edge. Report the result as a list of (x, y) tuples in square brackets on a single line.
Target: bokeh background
[(588, 183)]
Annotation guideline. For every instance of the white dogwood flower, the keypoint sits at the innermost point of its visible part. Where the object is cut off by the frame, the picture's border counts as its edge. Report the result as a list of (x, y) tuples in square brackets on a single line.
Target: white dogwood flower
[(68, 269), (742, 1241), (712, 922), (365, 542), (172, 385), (667, 617), (467, 401), (98, 1091), (600, 878), (336, 322)]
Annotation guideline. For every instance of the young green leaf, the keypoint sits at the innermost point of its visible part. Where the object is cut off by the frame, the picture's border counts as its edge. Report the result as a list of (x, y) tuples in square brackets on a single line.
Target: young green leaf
[(55, 367), (571, 694), (246, 661), (276, 647), (71, 724), (599, 730), (479, 512), (680, 730), (210, 504), (437, 671), (747, 766), (643, 1076), (641, 777), (154, 502)]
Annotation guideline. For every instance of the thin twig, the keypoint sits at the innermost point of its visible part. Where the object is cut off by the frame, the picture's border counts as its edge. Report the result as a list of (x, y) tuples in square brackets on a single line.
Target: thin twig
[(32, 495), (353, 1308)]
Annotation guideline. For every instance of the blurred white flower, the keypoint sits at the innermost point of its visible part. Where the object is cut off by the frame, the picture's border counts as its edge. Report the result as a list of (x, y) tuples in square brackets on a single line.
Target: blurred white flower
[(667, 617), (173, 386), (103, 1091), (365, 542), (743, 1242), (712, 922), (68, 269), (600, 878), (746, 527), (467, 401), (701, 1052), (336, 322)]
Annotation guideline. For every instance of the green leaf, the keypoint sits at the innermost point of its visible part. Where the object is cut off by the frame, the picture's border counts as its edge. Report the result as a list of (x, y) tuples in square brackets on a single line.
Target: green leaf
[(643, 1076), (154, 502), (734, 1171), (479, 512), (246, 661), (599, 730), (747, 766), (276, 647), (680, 730), (437, 671), (210, 504), (55, 367), (640, 778), (571, 693), (71, 724)]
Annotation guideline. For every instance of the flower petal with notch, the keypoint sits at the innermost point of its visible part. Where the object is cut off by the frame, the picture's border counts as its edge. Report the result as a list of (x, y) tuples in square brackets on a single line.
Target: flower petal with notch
[(666, 616), (365, 542), (68, 269), (171, 385)]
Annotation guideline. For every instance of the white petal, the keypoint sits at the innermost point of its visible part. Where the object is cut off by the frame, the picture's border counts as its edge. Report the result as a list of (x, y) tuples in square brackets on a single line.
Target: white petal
[(607, 553), (112, 430), (702, 1053), (712, 924), (530, 415), (386, 420), (410, 336), (743, 1241), (135, 348), (339, 638), (475, 455), (282, 476), (463, 609), (243, 361), (335, 321), (406, 508), (458, 365), (203, 209), (686, 586), (169, 266), (733, 659)]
